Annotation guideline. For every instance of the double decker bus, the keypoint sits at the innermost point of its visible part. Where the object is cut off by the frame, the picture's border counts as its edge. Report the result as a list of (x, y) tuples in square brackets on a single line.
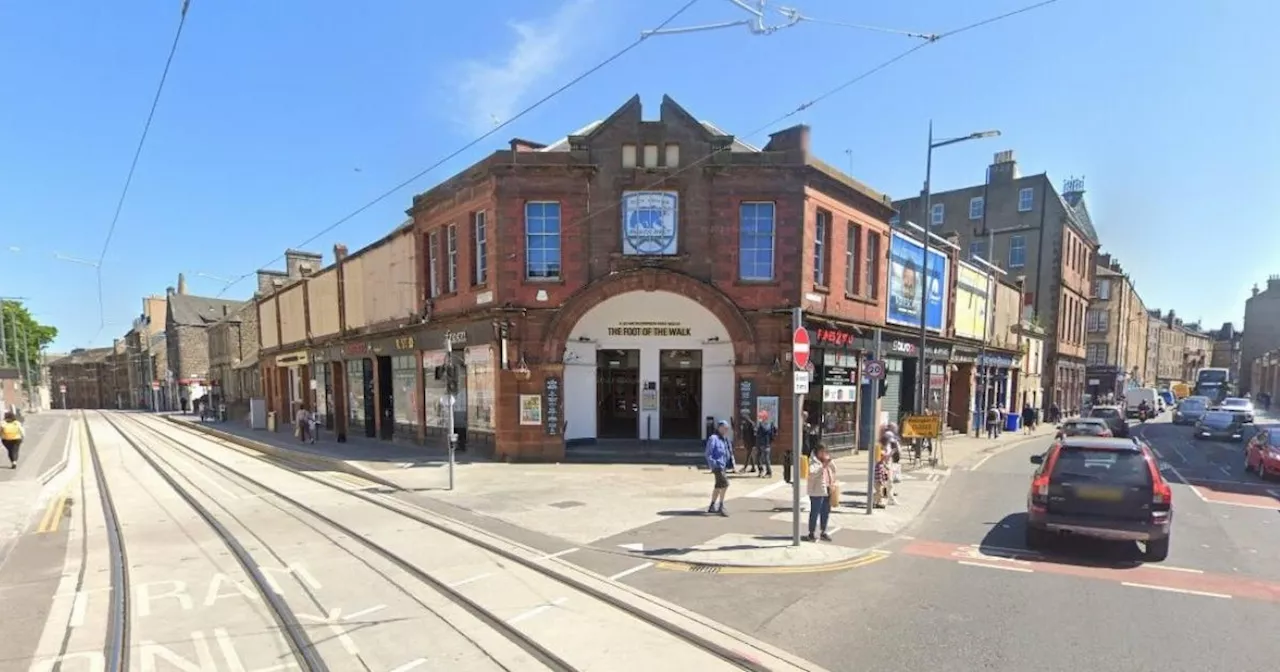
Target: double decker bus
[(1214, 383)]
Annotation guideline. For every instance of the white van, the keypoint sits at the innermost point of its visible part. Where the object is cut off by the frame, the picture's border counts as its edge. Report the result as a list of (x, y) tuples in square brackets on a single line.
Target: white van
[(1133, 397)]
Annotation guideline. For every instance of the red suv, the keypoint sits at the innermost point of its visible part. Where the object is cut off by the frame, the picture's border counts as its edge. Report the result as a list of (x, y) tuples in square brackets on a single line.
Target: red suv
[(1262, 454), (1104, 488)]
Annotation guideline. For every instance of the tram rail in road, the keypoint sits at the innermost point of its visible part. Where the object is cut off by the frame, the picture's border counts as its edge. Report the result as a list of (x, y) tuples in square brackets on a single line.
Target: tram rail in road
[(590, 600)]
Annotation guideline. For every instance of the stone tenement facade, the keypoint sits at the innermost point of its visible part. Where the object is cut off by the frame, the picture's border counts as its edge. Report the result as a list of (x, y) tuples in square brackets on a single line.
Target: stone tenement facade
[(188, 319)]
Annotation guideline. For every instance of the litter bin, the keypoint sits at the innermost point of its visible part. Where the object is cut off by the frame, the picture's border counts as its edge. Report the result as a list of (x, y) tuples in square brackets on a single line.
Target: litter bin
[(271, 421), (1012, 421)]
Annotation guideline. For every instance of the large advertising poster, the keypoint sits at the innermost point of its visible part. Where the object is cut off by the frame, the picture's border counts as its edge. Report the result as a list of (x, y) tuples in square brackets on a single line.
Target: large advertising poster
[(907, 286), (972, 289)]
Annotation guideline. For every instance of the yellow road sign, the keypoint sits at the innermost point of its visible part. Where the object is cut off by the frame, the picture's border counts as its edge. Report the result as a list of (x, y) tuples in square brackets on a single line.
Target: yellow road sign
[(921, 427)]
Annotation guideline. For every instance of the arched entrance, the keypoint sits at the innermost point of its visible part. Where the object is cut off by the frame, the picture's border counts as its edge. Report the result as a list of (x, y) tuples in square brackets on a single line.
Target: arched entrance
[(646, 364)]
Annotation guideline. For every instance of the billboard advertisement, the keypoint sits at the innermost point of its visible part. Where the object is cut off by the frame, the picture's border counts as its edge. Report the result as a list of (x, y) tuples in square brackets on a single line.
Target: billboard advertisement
[(908, 287), (972, 298)]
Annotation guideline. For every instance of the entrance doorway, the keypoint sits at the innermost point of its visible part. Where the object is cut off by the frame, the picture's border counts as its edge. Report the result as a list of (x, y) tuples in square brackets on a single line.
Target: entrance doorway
[(386, 399), (618, 394), (680, 394)]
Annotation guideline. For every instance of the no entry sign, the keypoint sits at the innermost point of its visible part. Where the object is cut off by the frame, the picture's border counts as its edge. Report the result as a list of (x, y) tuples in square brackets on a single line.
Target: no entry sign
[(800, 348)]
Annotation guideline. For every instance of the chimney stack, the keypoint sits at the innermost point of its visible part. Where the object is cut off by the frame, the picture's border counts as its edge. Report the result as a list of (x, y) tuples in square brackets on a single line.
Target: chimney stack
[(1003, 168), (169, 291), (1255, 289), (339, 252), (299, 264), (182, 284), (789, 139)]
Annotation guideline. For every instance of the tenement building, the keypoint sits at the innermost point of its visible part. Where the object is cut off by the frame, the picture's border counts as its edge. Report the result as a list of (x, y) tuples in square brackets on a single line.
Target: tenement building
[(611, 294), (1036, 234), (1116, 334), (1261, 329)]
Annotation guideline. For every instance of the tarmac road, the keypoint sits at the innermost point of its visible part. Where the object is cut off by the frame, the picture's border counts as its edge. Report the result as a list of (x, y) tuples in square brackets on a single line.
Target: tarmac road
[(960, 592)]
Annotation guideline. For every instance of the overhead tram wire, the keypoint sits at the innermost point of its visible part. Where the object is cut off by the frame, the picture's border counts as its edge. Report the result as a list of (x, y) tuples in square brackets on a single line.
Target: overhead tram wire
[(477, 140), (137, 154), (590, 215)]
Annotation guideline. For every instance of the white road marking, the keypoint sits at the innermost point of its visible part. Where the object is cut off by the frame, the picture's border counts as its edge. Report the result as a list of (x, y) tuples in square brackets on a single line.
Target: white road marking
[(1169, 568), (981, 462), (762, 491), (1188, 483), (833, 530), (1273, 492), (1224, 469), (364, 612), (473, 579), (632, 547), (557, 554), (989, 565), (629, 572), (1180, 455), (1168, 589), (537, 610), (413, 664)]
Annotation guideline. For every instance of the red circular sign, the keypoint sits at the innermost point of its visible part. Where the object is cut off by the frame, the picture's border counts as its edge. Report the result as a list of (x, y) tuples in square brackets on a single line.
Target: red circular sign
[(800, 348)]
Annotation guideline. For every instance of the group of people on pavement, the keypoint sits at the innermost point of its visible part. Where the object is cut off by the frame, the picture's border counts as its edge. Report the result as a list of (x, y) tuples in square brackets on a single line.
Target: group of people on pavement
[(822, 486), (997, 416)]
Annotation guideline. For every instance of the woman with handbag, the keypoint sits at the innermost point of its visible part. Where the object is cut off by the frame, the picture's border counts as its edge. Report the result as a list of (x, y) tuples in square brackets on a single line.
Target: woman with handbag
[(822, 481)]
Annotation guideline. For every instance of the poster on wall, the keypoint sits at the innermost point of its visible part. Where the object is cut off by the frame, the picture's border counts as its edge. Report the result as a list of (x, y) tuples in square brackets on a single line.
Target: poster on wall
[(767, 409), (531, 409), (908, 288), (972, 289), (649, 223), (746, 398), (551, 404)]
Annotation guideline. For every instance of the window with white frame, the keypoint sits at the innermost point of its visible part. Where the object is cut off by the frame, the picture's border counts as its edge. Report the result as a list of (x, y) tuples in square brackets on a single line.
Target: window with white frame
[(542, 240), (451, 242), (1026, 199), (480, 244), (821, 231), (938, 214), (1017, 251), (756, 230), (1104, 288), (976, 206), (433, 262), (978, 248)]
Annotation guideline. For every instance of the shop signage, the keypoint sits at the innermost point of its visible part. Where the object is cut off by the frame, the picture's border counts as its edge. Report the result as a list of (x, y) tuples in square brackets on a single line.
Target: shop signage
[(650, 329), (838, 384), (551, 404), (905, 348), (997, 361), (649, 223), (746, 397), (291, 359), (358, 349), (832, 337), (964, 356)]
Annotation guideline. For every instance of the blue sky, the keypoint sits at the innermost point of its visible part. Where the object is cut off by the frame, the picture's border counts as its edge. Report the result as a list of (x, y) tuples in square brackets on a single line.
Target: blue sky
[(281, 117)]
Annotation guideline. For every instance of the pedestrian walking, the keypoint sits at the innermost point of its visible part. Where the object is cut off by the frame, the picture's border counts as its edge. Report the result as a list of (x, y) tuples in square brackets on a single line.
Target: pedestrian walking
[(11, 435), (822, 488), (302, 423), (765, 433), (884, 480), (747, 430), (993, 421), (718, 454)]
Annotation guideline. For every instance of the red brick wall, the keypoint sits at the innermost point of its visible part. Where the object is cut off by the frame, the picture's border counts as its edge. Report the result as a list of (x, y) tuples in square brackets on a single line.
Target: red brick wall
[(862, 306), (456, 206)]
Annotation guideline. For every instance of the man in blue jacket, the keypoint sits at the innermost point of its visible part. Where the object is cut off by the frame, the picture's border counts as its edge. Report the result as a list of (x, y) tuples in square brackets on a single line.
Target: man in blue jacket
[(717, 461)]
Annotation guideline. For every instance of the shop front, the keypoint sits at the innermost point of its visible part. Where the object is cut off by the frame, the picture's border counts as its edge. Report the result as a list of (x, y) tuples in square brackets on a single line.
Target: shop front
[(832, 402), (963, 398), (473, 406), (323, 394), (994, 381), (1105, 384), (902, 358), (287, 380)]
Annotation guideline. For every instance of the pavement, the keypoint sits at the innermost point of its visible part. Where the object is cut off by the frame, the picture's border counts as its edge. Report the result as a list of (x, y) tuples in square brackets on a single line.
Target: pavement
[(629, 518)]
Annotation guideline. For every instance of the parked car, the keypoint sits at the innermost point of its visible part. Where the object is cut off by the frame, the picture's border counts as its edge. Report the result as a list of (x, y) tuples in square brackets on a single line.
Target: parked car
[(1103, 488), (1220, 425), (1114, 417), (1262, 455), (1084, 427), (1240, 406), (1190, 410)]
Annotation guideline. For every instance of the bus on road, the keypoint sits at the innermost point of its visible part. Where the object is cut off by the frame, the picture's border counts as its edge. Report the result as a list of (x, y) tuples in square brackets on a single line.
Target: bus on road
[(1214, 383)]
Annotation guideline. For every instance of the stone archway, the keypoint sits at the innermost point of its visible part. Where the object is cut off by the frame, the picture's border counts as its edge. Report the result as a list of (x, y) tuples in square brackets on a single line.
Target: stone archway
[(646, 280)]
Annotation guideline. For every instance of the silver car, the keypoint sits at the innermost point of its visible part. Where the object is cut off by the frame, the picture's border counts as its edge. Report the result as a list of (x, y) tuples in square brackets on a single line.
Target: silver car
[(1243, 408)]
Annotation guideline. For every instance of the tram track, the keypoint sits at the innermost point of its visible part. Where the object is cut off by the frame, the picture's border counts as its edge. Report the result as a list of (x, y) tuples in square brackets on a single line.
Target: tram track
[(118, 644), (728, 657), (547, 658)]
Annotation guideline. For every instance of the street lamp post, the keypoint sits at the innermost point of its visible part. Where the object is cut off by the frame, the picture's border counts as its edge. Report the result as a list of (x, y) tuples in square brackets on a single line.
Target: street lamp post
[(922, 371)]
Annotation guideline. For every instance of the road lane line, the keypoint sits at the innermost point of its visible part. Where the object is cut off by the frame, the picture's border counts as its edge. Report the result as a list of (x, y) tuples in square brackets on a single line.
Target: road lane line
[(558, 554), (1184, 591), (1188, 483), (477, 577), (1273, 492), (981, 462), (1169, 568), (629, 572), (1182, 457), (762, 491), (989, 565), (1224, 469), (537, 610)]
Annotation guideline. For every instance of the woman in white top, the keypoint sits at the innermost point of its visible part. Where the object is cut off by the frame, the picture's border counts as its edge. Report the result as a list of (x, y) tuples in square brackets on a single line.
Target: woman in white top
[(822, 477)]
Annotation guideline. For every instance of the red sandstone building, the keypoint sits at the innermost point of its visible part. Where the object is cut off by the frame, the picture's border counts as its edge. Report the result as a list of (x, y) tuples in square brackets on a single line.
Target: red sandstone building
[(607, 294)]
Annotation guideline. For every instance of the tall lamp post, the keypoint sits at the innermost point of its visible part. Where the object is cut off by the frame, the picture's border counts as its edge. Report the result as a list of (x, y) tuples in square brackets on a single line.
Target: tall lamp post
[(922, 371)]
